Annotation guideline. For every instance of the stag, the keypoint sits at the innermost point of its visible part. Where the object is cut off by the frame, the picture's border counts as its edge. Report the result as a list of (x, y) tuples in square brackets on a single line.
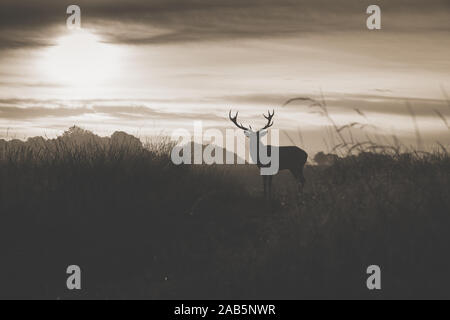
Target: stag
[(290, 157)]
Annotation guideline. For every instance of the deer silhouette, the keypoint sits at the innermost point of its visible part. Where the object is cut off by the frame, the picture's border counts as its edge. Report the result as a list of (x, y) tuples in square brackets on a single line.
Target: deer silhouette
[(290, 157)]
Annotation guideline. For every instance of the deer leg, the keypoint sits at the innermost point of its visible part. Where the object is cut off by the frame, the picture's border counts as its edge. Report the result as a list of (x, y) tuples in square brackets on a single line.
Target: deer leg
[(264, 178), (300, 179), (303, 181), (269, 179)]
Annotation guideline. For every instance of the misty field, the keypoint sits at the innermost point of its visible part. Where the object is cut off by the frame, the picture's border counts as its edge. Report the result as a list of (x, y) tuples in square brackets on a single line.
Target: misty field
[(141, 227)]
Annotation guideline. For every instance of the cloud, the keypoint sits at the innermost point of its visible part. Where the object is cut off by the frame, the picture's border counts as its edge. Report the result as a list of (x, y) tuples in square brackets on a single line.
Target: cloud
[(171, 21), (30, 109), (17, 113), (339, 103), (12, 109), (31, 84)]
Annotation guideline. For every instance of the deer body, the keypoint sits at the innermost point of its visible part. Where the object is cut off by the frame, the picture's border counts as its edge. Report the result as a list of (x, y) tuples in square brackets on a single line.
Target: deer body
[(289, 157)]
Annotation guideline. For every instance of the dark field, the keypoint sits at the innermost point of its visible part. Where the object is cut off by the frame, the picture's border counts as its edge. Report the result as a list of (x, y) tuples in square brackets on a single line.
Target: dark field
[(140, 227)]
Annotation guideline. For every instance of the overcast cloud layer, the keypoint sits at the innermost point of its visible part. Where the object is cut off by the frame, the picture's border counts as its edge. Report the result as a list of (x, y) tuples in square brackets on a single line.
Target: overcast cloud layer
[(33, 23)]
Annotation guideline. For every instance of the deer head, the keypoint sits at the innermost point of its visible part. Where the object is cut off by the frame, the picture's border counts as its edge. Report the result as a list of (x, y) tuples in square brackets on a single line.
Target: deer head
[(249, 132), (258, 151)]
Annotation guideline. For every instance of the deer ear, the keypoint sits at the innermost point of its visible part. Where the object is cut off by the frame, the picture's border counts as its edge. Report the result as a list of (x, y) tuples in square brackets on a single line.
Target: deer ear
[(247, 133), (262, 133)]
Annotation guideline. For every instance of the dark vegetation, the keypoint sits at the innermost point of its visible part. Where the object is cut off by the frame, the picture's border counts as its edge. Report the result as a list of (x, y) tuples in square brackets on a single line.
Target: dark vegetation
[(140, 227)]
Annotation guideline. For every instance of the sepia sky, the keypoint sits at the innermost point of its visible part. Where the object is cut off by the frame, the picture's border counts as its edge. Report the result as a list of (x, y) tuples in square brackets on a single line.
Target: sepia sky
[(148, 67)]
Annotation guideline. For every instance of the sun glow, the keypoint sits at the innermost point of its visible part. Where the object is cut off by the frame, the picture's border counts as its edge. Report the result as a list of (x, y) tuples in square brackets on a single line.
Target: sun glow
[(81, 60)]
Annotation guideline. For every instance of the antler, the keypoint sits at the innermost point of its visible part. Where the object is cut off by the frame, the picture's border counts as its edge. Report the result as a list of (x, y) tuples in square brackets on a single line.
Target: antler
[(269, 120), (234, 120)]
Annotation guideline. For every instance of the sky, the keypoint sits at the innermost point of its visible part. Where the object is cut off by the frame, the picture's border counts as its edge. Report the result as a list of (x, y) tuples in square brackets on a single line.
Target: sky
[(150, 67)]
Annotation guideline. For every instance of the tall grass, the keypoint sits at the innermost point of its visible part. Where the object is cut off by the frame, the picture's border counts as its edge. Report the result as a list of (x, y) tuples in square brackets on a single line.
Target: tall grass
[(141, 227), (341, 139)]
